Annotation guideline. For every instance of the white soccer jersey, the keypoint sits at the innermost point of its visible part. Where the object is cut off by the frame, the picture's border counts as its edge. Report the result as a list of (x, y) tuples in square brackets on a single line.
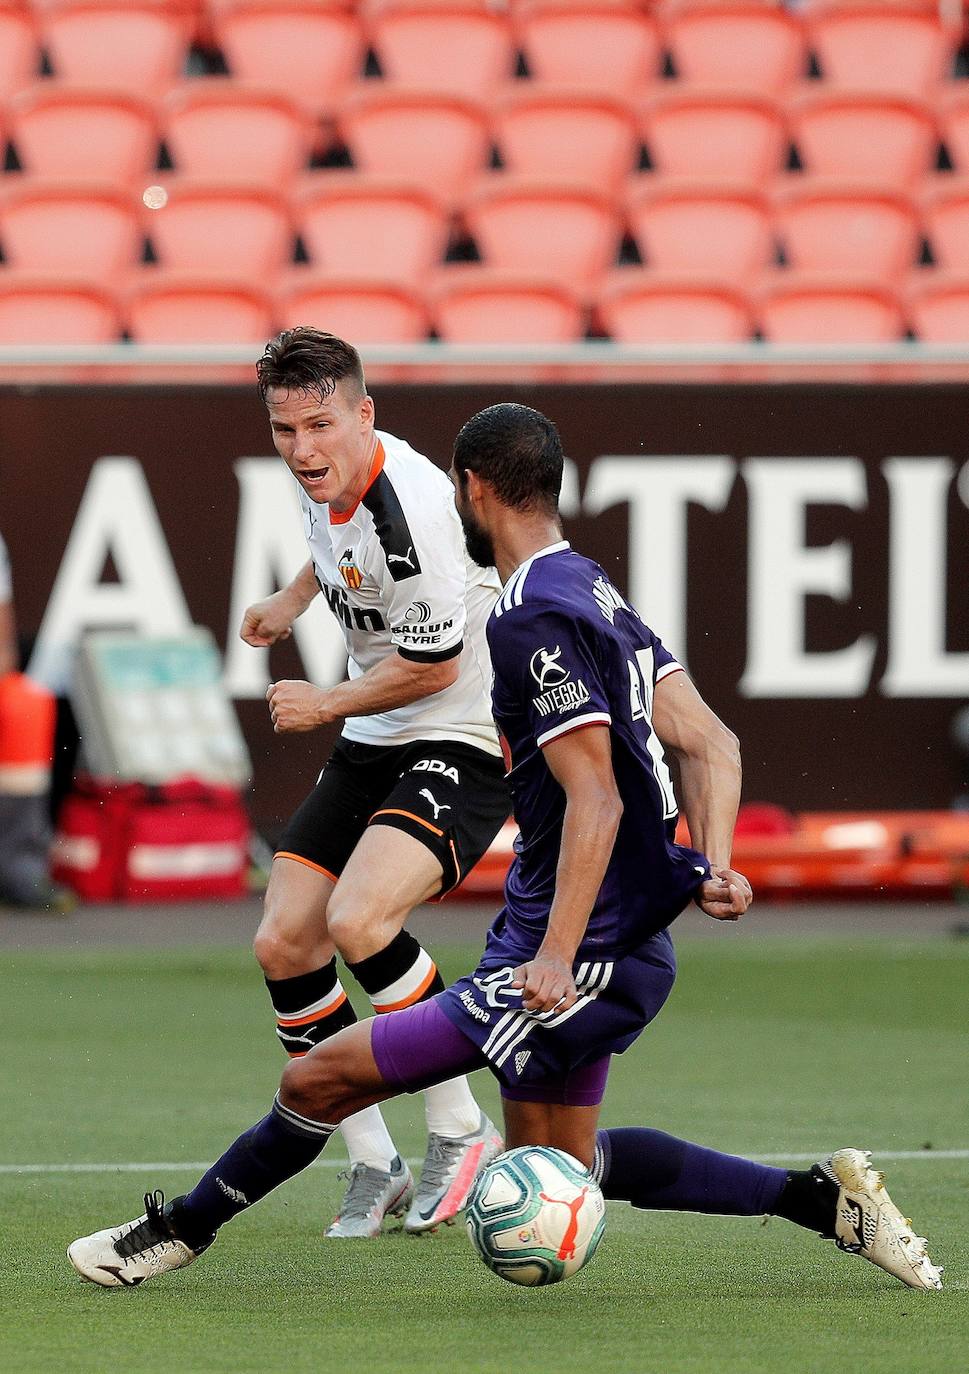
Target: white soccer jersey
[(397, 576)]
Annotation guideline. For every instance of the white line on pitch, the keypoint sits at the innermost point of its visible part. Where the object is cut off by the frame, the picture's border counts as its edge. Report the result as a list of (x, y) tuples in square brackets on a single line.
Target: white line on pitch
[(181, 1166)]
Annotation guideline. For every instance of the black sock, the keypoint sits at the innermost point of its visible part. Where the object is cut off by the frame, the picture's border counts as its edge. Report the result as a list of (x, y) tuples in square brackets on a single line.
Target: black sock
[(309, 1008), (277, 1147), (398, 975), (809, 1198)]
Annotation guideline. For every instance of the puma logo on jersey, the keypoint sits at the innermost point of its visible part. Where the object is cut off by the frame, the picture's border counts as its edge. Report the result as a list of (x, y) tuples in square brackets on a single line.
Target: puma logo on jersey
[(437, 808), (402, 557)]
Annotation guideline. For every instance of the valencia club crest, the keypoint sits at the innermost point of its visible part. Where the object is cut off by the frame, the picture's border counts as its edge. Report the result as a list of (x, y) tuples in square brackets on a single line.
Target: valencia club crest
[(349, 571)]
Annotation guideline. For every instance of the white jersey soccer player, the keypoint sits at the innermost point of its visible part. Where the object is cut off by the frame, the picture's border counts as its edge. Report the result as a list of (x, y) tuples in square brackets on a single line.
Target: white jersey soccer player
[(414, 790)]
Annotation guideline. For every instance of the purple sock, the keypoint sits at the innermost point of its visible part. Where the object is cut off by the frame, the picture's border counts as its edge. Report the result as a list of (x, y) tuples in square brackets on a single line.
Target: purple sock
[(277, 1147), (652, 1169)]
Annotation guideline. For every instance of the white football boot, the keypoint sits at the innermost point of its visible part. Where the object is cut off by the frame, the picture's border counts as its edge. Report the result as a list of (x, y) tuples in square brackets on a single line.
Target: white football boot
[(372, 1194), (126, 1255), (450, 1169), (868, 1223)]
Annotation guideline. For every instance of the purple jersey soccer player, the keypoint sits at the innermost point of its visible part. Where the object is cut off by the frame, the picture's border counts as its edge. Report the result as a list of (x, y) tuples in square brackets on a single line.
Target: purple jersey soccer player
[(579, 960)]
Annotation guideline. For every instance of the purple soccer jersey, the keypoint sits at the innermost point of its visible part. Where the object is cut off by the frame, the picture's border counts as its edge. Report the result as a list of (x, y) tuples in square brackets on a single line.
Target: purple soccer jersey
[(568, 651)]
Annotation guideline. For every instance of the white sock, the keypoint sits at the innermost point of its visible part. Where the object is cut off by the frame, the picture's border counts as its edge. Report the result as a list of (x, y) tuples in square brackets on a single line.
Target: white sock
[(367, 1139), (451, 1109)]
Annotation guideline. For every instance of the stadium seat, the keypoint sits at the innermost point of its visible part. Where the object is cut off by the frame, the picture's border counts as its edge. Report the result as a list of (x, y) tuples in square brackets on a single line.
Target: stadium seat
[(481, 306), (748, 46), (309, 53), (439, 140), (902, 47), (365, 226), (188, 308), (208, 226), (19, 49), (643, 307), (803, 308), (79, 229), (79, 133), (44, 309), (945, 220), (220, 128), (881, 138), (704, 132), (953, 111), (938, 306), (721, 229), (837, 227), (368, 312), (561, 131), (127, 45), (454, 47), (610, 46), (558, 229)]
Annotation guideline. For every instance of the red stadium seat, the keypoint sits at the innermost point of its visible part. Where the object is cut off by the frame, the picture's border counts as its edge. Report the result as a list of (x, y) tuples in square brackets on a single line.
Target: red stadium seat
[(221, 128), (723, 230), (901, 47), (210, 226), (880, 138), (481, 306), (44, 309), (365, 226), (938, 306), (79, 133), (838, 227), (445, 47), (77, 229), (703, 132), (556, 131), (549, 227), (187, 308), (366, 311), (804, 308), (438, 140), (309, 53), (953, 112), (19, 50), (945, 221), (128, 45), (752, 47), (644, 307), (610, 46)]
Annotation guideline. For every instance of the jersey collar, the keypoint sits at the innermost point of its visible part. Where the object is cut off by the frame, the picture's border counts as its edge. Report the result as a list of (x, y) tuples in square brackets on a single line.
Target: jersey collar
[(558, 547), (376, 468)]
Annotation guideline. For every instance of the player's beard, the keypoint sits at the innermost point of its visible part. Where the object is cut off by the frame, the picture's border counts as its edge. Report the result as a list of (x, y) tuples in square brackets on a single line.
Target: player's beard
[(480, 544)]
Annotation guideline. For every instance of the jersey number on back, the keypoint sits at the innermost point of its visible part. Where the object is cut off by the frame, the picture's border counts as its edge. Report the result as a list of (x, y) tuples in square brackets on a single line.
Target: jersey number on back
[(641, 708)]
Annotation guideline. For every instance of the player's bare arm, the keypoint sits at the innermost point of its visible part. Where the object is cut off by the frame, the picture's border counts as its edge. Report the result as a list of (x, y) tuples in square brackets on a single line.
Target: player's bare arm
[(394, 681), (271, 619), (708, 755), (581, 763)]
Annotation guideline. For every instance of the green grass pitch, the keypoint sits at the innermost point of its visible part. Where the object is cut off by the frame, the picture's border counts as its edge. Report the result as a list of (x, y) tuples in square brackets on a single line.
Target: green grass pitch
[(766, 1047)]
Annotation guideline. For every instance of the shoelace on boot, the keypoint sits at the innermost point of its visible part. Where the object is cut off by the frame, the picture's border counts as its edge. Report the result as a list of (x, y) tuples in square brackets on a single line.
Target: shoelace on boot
[(148, 1234)]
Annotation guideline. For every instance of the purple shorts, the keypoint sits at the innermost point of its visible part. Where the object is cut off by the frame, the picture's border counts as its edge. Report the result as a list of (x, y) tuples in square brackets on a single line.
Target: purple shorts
[(557, 1057)]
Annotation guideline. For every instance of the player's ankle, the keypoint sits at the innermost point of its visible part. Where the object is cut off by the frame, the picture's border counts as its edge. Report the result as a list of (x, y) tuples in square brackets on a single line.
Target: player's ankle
[(809, 1199)]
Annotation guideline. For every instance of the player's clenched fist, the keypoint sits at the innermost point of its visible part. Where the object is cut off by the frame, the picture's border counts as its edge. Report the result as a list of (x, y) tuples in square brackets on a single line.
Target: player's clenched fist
[(725, 895), (295, 706), (547, 984), (267, 621)]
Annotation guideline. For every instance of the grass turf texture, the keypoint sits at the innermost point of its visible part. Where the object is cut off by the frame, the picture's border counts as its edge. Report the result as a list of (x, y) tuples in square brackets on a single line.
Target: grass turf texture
[(767, 1047)]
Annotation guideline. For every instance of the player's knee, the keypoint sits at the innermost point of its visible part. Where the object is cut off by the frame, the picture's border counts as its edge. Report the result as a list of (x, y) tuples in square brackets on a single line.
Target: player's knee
[(280, 953), (315, 1086), (357, 929)]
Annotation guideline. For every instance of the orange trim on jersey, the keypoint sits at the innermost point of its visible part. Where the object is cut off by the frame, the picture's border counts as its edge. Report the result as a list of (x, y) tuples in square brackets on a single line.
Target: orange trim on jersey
[(394, 811), (376, 468), (415, 996), (298, 859), (313, 1016)]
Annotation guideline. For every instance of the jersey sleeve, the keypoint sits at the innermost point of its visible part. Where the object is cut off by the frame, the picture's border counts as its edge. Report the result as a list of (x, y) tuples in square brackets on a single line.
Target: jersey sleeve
[(663, 661), (427, 611), (547, 671)]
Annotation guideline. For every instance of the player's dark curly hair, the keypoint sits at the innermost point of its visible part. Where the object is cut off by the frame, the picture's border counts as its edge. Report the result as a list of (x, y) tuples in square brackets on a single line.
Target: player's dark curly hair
[(518, 451), (305, 359)]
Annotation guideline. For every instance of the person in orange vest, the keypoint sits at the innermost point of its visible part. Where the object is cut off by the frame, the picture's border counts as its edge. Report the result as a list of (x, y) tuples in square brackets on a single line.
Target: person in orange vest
[(27, 718)]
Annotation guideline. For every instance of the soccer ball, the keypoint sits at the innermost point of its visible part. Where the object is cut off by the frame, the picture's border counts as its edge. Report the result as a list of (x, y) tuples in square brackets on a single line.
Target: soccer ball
[(535, 1215)]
